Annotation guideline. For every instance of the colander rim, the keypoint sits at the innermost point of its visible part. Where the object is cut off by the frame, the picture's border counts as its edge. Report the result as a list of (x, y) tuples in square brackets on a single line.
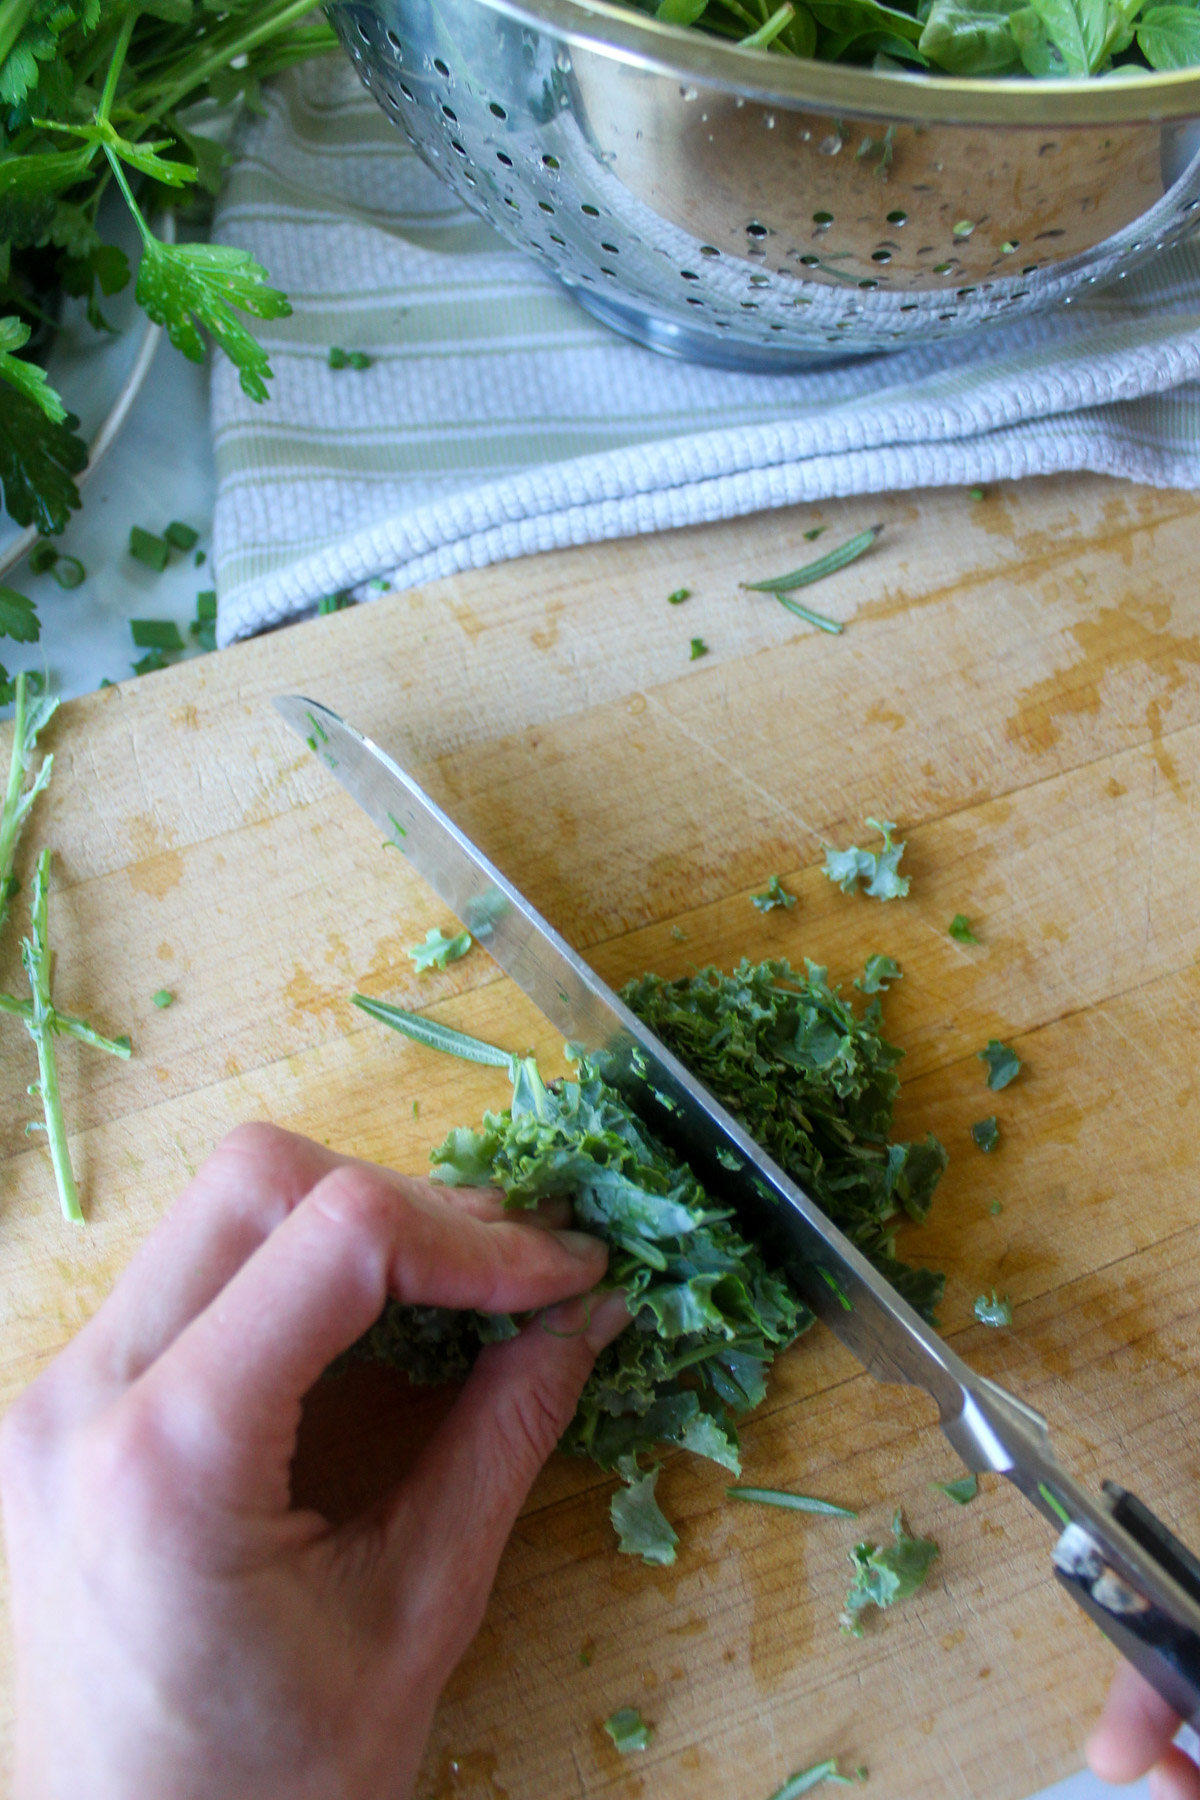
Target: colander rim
[(844, 91)]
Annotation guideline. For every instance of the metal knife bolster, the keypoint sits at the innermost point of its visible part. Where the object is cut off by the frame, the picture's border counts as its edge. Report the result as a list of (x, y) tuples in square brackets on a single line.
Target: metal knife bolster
[(1123, 1566)]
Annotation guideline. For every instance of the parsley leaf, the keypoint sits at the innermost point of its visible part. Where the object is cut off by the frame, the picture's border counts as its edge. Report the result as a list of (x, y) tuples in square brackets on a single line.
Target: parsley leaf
[(628, 1730), (884, 1576), (996, 1311), (39, 455), (18, 617), (163, 998), (641, 1526), (699, 648), (1004, 1065), (878, 972), (183, 286), (962, 1491), (959, 928), (986, 1133), (26, 377), (878, 868), (773, 896), (438, 949), (679, 596)]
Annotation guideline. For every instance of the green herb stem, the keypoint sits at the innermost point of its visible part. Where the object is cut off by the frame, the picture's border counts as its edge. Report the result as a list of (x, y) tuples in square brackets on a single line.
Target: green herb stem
[(770, 29), (430, 1033), (810, 617), (116, 64), (35, 953), (804, 1503)]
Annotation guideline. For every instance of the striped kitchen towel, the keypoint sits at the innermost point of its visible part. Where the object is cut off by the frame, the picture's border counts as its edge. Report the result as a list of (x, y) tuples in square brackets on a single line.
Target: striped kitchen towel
[(496, 418)]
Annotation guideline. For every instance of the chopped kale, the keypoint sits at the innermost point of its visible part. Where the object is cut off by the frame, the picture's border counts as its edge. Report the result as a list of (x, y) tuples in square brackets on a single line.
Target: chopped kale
[(879, 869), (642, 1528), (960, 929), (438, 949), (628, 1730), (884, 1575), (996, 1311), (805, 1780), (986, 1133), (774, 895), (1004, 1065), (962, 1491), (878, 972)]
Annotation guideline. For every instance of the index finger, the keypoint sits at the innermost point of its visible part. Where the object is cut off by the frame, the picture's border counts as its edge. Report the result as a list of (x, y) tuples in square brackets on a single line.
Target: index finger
[(1134, 1731), (228, 1390)]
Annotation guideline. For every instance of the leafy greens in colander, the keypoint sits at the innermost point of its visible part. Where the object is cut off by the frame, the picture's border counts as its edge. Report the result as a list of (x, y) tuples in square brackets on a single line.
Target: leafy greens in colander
[(1042, 38), (815, 1084)]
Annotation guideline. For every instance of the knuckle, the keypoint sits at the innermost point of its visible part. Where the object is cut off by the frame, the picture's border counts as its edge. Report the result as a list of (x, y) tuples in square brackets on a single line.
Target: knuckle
[(126, 1460), (363, 1207), (255, 1141)]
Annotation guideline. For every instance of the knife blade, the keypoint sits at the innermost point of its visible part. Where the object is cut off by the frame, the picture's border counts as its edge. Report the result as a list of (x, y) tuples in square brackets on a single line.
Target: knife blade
[(1127, 1570)]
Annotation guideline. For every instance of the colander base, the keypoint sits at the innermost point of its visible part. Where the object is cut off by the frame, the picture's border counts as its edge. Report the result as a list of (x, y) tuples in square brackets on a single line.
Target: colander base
[(698, 346)]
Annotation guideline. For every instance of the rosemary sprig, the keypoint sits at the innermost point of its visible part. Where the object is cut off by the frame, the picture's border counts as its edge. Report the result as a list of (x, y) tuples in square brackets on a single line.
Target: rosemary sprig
[(792, 1502), (431, 1034), (828, 564)]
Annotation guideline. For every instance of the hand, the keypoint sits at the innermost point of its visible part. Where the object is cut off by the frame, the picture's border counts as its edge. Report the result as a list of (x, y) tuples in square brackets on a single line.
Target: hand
[(181, 1633), (1134, 1736)]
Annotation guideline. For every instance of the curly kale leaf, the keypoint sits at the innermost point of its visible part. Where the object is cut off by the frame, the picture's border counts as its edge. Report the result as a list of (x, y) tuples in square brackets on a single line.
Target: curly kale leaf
[(814, 1083), (884, 1575)]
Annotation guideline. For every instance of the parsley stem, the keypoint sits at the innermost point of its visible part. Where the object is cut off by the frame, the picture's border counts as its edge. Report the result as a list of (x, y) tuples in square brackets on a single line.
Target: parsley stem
[(770, 29), (35, 953), (115, 165), (220, 57), (116, 64), (12, 817)]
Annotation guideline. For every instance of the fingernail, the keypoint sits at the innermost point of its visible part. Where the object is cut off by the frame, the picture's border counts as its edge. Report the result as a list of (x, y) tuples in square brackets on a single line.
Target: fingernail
[(582, 1245), (609, 1317)]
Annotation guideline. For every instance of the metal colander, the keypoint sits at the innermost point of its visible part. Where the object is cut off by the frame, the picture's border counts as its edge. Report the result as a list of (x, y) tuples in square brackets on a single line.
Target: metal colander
[(761, 212)]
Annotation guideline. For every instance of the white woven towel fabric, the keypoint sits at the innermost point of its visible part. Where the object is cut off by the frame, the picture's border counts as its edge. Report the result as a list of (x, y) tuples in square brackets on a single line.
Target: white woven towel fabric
[(496, 418)]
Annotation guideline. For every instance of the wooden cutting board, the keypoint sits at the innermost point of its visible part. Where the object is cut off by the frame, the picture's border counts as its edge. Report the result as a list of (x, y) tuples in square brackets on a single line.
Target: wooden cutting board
[(1019, 685)]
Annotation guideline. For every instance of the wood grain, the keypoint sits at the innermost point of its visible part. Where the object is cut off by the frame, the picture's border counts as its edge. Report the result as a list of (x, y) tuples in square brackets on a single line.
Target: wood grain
[(1018, 685)]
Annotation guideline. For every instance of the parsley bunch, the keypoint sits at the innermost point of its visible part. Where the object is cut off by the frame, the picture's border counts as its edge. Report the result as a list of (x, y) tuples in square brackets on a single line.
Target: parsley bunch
[(96, 95), (815, 1084)]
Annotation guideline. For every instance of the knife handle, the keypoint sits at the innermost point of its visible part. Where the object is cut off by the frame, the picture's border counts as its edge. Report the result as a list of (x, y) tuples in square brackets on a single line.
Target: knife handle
[(1159, 1635)]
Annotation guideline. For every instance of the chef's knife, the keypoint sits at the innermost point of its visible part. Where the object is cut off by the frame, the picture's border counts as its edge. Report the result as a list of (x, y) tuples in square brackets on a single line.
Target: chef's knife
[(1138, 1582)]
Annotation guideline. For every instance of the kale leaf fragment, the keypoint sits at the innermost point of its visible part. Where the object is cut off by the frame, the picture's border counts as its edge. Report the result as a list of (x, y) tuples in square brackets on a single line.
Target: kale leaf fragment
[(438, 950), (1004, 1065), (628, 1730), (775, 894), (883, 1575), (879, 869), (995, 1311)]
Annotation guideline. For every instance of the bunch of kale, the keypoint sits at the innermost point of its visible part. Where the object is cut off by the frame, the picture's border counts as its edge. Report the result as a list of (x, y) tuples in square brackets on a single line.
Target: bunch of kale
[(813, 1082)]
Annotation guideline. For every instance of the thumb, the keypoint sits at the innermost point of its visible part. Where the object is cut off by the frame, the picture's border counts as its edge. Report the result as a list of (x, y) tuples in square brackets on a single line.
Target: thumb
[(452, 1518)]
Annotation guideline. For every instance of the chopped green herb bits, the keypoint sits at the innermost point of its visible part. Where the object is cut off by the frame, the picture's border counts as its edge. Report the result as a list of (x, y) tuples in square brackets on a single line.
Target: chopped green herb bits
[(200, 558), (882, 1576), (628, 1730), (994, 1311), (145, 547), (995, 1208), (1004, 1065), (805, 1780), (337, 357), (879, 971), (791, 1502), (163, 998), (828, 564), (156, 634), (959, 928), (679, 596), (962, 1491), (151, 663), (438, 949), (986, 1133), (348, 359), (359, 359), (879, 869), (699, 648), (678, 934), (181, 536), (773, 895), (976, 493), (206, 604), (813, 533)]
